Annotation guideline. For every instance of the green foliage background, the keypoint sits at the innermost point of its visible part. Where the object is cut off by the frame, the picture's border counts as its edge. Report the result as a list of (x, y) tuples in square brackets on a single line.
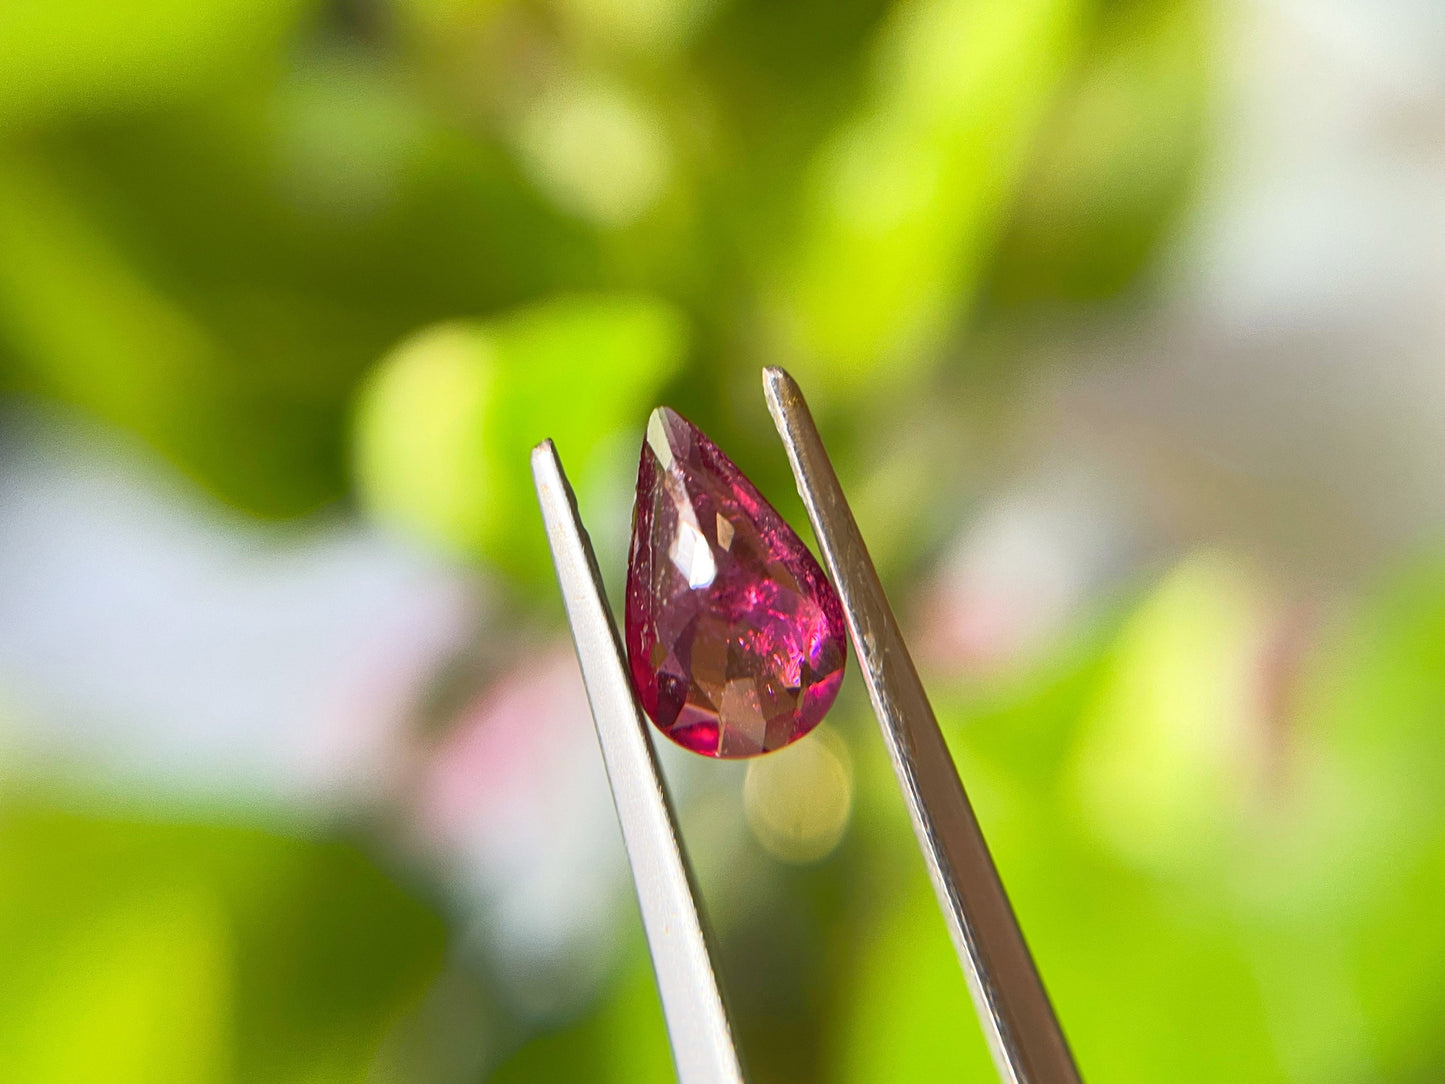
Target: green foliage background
[(361, 255)]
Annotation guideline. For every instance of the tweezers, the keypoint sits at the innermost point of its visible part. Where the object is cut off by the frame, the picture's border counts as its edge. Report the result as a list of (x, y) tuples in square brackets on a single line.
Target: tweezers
[(1023, 1034)]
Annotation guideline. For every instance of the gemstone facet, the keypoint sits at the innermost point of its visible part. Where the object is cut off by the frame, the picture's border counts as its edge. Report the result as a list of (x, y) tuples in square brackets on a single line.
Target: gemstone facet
[(735, 638)]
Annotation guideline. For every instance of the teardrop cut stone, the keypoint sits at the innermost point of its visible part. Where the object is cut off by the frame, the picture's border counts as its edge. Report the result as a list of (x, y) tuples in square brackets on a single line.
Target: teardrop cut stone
[(735, 637)]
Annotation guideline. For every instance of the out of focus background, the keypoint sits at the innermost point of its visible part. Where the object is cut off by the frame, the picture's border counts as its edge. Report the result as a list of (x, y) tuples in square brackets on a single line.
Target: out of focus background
[(1124, 321)]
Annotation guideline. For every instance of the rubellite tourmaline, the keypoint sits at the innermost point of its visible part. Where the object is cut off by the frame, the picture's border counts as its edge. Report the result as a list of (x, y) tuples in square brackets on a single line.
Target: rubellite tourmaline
[(734, 635)]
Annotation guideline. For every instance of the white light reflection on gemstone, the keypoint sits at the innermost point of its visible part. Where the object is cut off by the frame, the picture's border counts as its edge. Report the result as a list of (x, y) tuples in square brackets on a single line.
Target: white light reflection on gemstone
[(692, 555)]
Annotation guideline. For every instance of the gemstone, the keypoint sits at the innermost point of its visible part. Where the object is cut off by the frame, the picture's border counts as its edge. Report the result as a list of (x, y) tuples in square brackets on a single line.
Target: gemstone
[(734, 635)]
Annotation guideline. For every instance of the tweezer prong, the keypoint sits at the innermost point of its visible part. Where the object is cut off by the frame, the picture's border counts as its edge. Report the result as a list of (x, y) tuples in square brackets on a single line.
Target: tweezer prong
[(697, 1021), (1023, 1034)]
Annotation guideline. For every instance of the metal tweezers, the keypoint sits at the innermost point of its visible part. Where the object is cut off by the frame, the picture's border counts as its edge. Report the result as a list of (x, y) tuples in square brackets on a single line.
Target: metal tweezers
[(1023, 1034)]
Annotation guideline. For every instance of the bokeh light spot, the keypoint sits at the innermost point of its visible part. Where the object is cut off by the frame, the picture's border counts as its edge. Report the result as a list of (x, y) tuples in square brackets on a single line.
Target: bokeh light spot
[(798, 800), (596, 151)]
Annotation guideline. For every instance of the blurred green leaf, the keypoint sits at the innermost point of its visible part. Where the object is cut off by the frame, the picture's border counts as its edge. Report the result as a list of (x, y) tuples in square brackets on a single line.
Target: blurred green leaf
[(96, 56), (1344, 877), (905, 201), (1115, 160), (85, 326), (153, 951), (445, 425), (910, 1017), (82, 321), (136, 994), (1167, 751)]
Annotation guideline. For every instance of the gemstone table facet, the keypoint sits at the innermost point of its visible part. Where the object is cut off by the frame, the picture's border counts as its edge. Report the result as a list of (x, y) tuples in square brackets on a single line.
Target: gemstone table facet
[(735, 638)]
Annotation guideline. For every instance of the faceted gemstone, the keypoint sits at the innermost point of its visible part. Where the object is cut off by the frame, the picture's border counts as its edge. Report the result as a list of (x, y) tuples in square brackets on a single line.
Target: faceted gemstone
[(734, 635)]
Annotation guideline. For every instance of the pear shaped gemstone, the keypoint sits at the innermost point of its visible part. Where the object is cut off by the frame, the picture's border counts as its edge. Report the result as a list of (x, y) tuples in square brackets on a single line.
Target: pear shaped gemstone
[(735, 638)]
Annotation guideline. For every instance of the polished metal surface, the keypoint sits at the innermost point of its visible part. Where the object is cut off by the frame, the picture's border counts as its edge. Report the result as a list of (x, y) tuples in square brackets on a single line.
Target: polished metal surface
[(697, 1020), (1023, 1034)]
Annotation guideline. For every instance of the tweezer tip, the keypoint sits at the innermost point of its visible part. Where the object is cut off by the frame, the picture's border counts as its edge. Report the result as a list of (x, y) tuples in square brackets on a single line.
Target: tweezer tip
[(785, 401), (777, 382), (544, 460)]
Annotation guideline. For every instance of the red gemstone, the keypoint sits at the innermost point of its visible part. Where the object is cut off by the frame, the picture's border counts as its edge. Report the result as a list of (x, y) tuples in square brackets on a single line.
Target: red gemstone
[(734, 635)]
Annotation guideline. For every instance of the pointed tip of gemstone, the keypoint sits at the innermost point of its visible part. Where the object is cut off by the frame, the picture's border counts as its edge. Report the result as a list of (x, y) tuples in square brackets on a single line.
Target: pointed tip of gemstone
[(735, 638), (659, 424)]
